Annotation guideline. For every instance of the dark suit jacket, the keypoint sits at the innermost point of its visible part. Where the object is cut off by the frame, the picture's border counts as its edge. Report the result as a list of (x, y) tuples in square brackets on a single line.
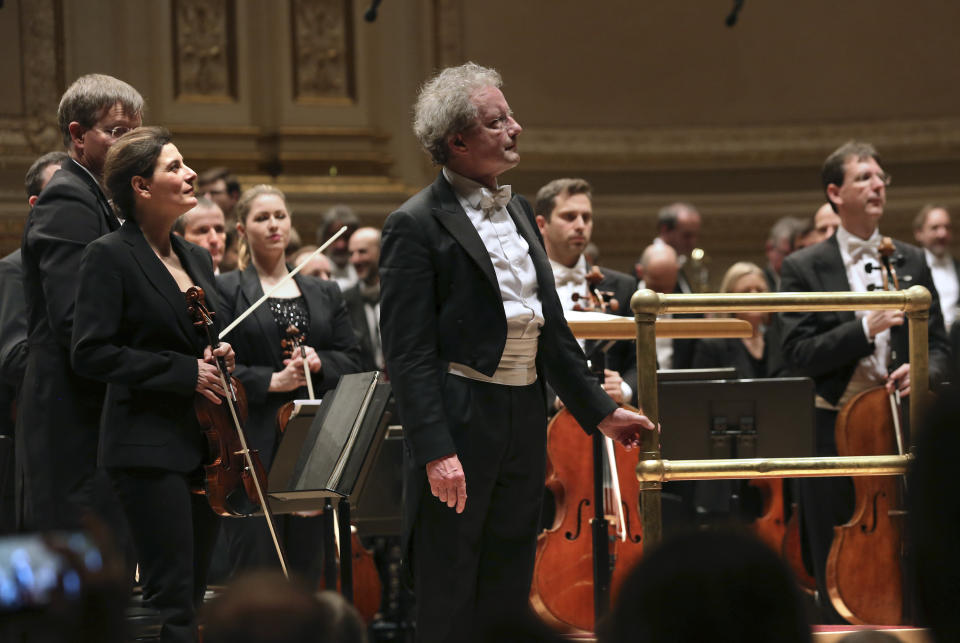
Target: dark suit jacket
[(723, 352), (58, 416), (440, 302), (827, 346), (132, 330), (13, 337), (256, 342), (13, 320), (358, 317)]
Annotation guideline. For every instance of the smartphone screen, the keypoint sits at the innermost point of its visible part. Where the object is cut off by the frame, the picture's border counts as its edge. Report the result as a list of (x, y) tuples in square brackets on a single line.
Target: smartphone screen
[(38, 568)]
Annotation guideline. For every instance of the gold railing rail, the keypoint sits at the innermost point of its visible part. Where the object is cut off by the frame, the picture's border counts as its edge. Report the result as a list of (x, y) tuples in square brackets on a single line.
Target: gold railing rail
[(652, 469)]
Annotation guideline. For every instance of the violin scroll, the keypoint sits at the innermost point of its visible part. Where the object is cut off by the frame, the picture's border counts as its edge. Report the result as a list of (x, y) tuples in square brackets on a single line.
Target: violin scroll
[(595, 300)]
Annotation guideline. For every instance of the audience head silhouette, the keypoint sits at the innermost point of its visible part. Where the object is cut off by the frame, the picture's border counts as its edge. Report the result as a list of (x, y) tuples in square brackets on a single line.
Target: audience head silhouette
[(714, 586)]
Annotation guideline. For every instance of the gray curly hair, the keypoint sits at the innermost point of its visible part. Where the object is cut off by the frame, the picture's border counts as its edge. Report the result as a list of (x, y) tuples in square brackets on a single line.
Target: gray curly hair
[(444, 106)]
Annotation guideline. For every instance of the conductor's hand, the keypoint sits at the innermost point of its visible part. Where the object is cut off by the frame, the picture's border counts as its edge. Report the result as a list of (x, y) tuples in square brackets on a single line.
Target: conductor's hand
[(624, 426), (447, 481), (880, 320), (612, 385), (208, 381), (899, 380)]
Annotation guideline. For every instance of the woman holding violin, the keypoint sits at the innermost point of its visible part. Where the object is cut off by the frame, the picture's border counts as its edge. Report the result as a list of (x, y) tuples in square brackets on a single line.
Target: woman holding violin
[(132, 330), (270, 375)]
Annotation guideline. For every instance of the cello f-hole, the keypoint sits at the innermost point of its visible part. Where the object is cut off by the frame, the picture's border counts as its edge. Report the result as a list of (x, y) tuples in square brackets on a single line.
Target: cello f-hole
[(575, 535)]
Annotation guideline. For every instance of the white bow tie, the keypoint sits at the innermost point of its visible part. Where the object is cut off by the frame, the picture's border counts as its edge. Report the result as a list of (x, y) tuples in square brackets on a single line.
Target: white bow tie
[(861, 248), (563, 275), (493, 200)]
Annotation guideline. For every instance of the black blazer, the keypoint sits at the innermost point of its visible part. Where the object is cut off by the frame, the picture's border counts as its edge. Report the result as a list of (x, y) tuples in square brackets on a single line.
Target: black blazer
[(132, 331), (827, 346), (256, 342), (59, 411), (358, 317), (723, 352), (440, 302), (13, 337), (13, 320)]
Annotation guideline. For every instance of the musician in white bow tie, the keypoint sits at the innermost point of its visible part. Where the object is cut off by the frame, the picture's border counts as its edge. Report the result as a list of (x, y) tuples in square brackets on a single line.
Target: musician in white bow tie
[(564, 210), (471, 327), (846, 353)]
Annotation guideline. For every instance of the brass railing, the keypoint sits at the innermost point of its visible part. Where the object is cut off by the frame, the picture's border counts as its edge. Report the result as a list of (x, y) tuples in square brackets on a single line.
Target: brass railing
[(653, 470)]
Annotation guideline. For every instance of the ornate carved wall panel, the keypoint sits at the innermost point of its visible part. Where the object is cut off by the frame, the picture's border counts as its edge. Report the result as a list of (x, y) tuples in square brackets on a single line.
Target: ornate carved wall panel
[(323, 55), (34, 130), (204, 50)]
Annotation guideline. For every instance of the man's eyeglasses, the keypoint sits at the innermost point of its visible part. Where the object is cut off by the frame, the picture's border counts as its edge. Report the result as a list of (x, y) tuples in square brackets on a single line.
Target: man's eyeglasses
[(116, 132), (885, 178)]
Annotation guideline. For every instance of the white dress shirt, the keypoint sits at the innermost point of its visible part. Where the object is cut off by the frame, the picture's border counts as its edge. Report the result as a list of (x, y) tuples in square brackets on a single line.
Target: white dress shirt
[(856, 254), (946, 280), (517, 277)]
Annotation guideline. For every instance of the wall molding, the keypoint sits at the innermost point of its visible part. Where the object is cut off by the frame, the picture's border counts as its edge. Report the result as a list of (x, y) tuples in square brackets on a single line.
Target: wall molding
[(731, 147)]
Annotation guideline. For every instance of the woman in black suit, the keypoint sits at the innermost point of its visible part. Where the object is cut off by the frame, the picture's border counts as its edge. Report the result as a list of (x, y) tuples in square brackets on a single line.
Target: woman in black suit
[(132, 331), (316, 308), (749, 355)]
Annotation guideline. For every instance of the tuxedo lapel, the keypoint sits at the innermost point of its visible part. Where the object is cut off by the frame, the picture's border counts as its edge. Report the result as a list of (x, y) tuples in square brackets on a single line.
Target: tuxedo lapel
[(452, 217), (828, 265), (158, 276)]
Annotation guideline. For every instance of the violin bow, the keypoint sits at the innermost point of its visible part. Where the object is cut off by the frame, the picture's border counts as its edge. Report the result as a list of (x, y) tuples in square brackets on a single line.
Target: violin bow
[(295, 337), (288, 277), (230, 398)]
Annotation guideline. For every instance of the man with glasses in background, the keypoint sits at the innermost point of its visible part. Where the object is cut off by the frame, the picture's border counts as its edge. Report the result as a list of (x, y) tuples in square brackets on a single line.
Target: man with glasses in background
[(58, 413), (844, 352)]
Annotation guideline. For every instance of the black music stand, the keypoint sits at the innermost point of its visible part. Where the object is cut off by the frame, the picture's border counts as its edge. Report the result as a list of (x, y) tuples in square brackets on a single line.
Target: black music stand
[(710, 419), (721, 419), (327, 451)]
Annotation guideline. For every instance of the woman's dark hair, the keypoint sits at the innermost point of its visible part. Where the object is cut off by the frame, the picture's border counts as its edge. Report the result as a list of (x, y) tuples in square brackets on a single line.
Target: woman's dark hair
[(134, 154)]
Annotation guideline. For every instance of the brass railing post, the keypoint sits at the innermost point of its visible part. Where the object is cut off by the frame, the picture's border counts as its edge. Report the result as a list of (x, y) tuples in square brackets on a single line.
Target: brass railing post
[(646, 306), (918, 315)]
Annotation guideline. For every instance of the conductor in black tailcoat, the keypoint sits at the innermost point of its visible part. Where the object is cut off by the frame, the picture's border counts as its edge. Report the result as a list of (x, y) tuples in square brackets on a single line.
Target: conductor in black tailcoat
[(845, 352), (564, 212), (471, 326), (59, 411)]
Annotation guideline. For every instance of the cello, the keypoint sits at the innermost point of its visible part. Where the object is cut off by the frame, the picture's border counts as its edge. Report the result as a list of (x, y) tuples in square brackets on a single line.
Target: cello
[(864, 576), (564, 591), (367, 588), (235, 478)]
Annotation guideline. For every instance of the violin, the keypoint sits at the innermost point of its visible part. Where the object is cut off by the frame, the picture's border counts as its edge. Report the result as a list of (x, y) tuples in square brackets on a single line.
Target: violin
[(864, 575), (234, 478), (367, 587), (563, 591)]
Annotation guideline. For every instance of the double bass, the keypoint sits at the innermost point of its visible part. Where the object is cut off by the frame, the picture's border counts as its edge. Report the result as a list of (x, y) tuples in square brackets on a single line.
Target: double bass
[(864, 574), (563, 591)]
